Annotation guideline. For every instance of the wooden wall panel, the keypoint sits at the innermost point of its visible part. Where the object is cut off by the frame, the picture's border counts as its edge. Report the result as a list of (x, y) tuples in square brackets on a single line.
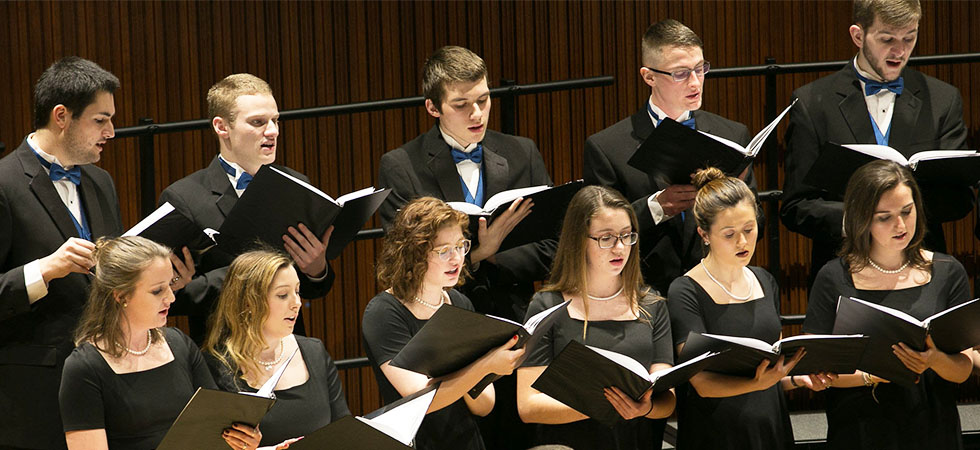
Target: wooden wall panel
[(317, 53)]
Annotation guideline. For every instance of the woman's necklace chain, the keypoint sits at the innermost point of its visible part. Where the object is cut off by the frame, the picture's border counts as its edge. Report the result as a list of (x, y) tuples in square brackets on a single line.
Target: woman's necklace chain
[(745, 273), (886, 271), (270, 364), (149, 341)]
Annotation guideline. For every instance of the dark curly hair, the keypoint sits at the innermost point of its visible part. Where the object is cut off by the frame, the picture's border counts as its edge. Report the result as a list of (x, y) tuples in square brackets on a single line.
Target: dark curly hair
[(404, 254)]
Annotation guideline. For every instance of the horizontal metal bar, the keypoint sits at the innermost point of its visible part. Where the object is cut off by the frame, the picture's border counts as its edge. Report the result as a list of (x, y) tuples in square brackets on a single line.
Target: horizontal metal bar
[(353, 363), (375, 105), (794, 319), (770, 196), (372, 233), (727, 72)]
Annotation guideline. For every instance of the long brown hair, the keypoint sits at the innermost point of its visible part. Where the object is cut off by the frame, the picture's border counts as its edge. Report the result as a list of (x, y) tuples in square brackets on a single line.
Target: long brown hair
[(864, 191), (716, 193), (569, 271), (405, 253), (119, 263), (235, 328)]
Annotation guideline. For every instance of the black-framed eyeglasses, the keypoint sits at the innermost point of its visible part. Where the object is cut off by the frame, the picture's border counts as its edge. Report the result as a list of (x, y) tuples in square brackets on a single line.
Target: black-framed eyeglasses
[(609, 240), (445, 252), (682, 75)]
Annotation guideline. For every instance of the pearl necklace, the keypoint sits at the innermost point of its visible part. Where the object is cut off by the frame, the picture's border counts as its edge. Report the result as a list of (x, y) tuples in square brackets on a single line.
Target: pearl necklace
[(430, 305), (744, 273), (889, 272), (149, 341), (270, 364), (605, 299)]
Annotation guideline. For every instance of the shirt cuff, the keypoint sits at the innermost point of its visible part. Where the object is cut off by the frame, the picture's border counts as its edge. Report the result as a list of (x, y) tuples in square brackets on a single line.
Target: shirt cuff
[(656, 211), (36, 287), (321, 277)]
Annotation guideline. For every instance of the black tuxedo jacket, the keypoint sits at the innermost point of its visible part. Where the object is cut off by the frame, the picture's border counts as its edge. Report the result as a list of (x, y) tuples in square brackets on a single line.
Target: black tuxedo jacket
[(425, 167), (927, 116), (36, 339), (669, 249), (206, 197)]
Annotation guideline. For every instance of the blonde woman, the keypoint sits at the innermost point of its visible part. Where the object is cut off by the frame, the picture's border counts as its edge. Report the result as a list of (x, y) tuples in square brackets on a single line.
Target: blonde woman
[(129, 378), (597, 268), (251, 336)]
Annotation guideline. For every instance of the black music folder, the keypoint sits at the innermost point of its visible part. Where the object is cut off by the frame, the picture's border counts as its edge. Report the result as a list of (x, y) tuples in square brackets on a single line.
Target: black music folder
[(741, 355), (673, 152), (953, 331), (275, 201), (392, 427), (454, 337), (169, 227), (833, 167), (578, 375), (544, 221), (208, 413)]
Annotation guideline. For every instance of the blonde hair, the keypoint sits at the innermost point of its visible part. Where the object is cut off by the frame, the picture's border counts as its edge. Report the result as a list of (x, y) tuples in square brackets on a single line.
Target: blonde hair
[(119, 263), (222, 96), (569, 271), (405, 253), (235, 329), (666, 33), (896, 13)]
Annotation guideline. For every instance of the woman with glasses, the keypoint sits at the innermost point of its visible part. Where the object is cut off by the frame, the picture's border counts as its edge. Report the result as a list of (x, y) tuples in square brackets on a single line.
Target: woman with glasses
[(883, 261), (422, 260), (251, 336), (722, 295), (598, 271)]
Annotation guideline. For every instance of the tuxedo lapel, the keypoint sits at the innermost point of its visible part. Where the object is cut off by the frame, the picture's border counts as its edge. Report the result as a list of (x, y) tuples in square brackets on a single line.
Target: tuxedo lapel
[(44, 190), (906, 116), (441, 166), (642, 125), (495, 171), (853, 108), (92, 206), (222, 190)]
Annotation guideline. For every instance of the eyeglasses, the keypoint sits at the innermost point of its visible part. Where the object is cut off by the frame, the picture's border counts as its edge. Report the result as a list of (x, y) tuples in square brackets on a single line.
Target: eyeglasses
[(609, 240), (682, 75), (445, 252)]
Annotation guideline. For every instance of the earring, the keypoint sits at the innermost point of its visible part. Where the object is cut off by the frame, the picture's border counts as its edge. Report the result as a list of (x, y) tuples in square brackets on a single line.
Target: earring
[(125, 304), (706, 243)]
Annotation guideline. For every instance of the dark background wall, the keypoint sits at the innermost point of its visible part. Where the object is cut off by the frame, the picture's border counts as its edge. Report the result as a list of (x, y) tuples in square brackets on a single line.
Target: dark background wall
[(324, 53)]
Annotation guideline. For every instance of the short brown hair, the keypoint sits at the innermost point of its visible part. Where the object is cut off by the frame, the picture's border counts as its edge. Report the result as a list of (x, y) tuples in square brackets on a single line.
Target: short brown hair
[(448, 65), (119, 263), (864, 191), (666, 33), (235, 329), (716, 193), (405, 253), (222, 96), (896, 13)]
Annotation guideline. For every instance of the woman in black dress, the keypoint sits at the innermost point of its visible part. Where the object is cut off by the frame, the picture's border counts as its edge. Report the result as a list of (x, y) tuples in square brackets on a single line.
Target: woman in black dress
[(597, 269), (883, 261), (128, 378), (422, 259), (251, 336), (722, 295)]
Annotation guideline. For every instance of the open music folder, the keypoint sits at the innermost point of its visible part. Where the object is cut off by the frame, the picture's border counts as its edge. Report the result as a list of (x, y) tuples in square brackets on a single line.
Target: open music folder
[(168, 227), (741, 355), (275, 201)]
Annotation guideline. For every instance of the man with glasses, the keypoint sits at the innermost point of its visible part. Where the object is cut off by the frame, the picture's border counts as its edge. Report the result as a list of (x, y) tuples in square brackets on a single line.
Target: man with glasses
[(245, 119), (673, 66), (874, 99)]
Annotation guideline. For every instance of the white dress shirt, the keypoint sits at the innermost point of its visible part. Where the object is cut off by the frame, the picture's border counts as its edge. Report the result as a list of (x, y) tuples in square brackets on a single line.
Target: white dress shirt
[(469, 171), (881, 105)]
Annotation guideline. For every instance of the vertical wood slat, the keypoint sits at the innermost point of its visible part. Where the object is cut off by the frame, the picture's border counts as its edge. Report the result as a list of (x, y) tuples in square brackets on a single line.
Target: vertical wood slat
[(319, 53)]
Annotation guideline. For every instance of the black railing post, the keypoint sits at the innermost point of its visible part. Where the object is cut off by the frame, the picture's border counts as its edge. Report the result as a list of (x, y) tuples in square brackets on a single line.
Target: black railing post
[(772, 176), (148, 196), (3, 148), (508, 105)]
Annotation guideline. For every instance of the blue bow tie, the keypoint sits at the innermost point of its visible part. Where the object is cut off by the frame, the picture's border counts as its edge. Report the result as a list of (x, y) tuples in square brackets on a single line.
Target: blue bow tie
[(56, 172), (243, 180), (476, 155), (687, 123), (872, 87)]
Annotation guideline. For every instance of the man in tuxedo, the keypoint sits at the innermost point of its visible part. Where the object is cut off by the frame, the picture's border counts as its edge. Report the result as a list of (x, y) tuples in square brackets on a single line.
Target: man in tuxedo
[(53, 204), (460, 160), (874, 99), (673, 66), (245, 119)]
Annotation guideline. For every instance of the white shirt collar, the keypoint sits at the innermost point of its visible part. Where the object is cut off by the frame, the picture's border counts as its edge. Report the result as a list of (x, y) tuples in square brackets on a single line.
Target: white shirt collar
[(659, 112), (870, 76), (45, 155), (452, 143)]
